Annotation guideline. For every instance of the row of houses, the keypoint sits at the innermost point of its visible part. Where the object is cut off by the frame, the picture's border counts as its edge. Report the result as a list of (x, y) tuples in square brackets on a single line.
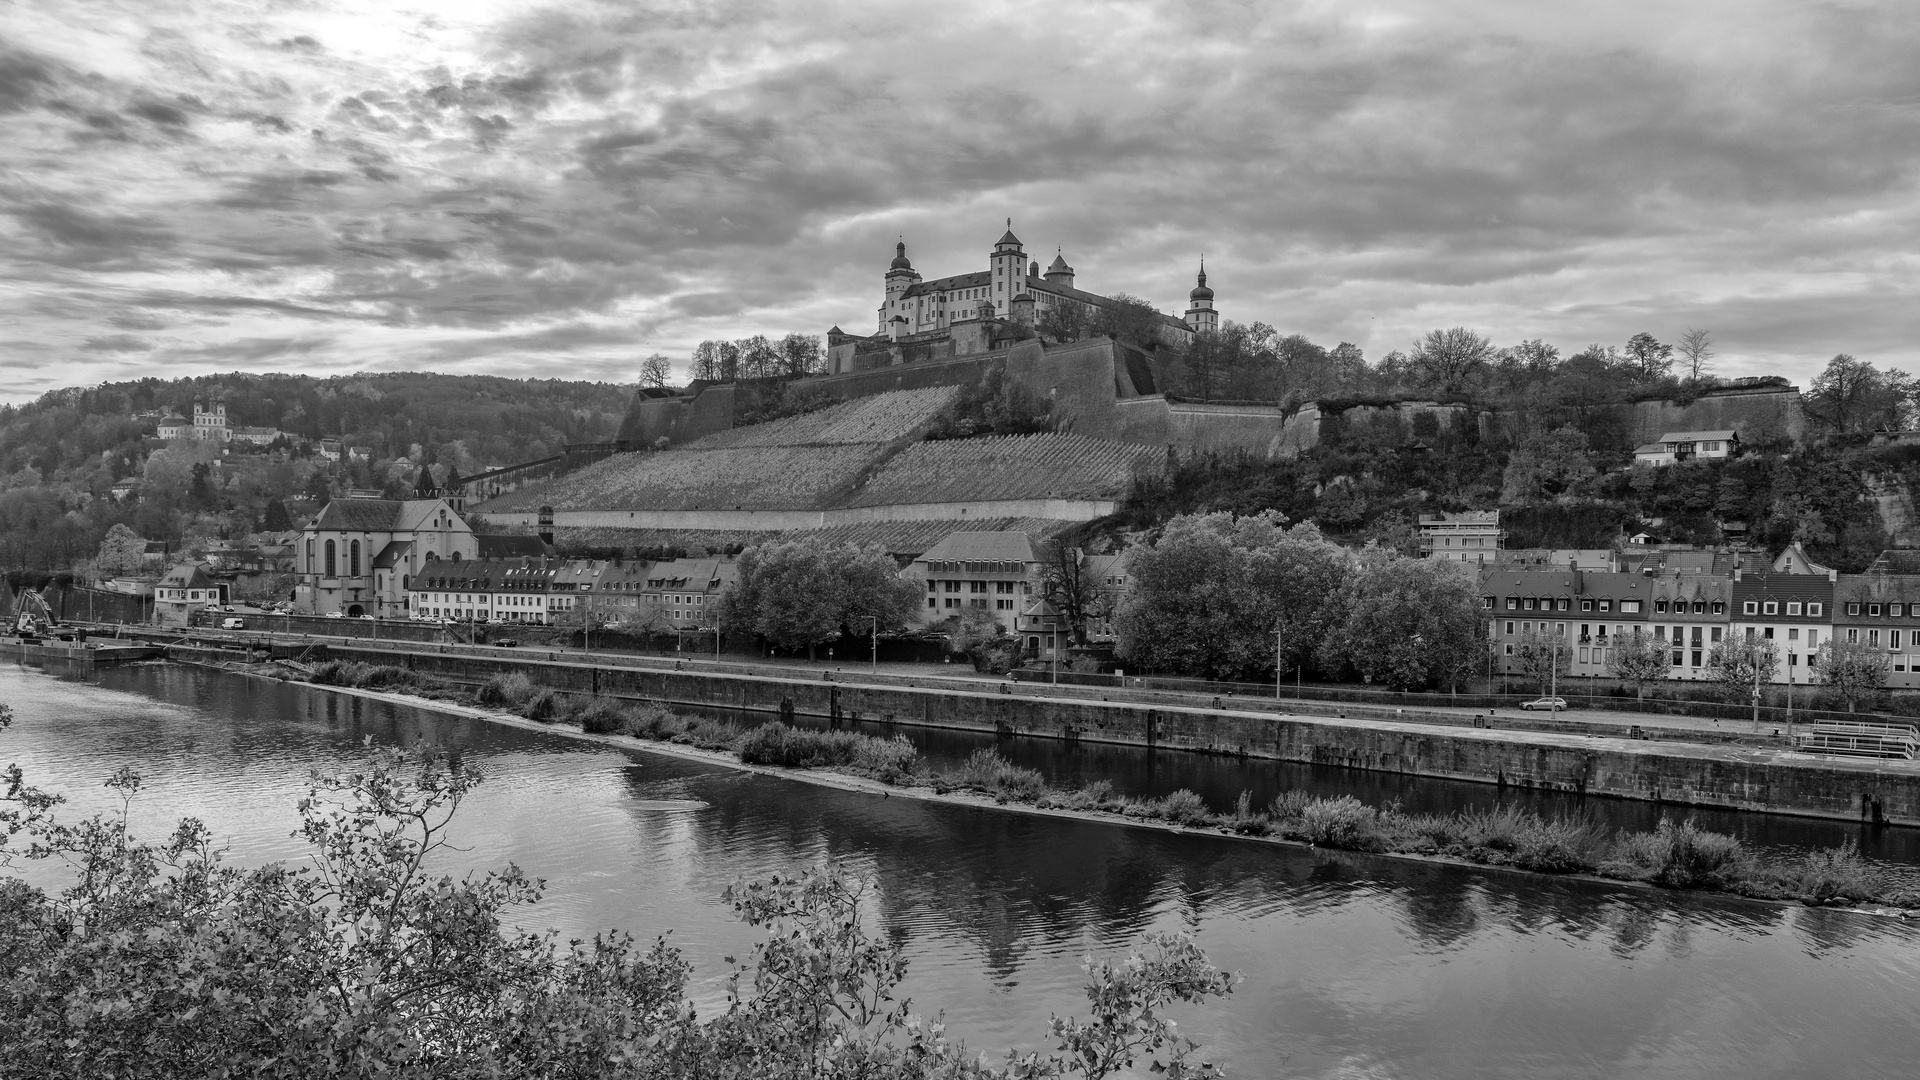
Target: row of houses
[(1792, 601)]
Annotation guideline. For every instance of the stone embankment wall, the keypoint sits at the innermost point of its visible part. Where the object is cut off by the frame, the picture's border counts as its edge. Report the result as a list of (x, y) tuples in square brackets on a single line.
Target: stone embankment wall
[(1659, 772)]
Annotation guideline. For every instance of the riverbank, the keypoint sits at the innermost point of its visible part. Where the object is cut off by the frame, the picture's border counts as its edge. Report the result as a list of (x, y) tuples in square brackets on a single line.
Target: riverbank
[(1674, 856)]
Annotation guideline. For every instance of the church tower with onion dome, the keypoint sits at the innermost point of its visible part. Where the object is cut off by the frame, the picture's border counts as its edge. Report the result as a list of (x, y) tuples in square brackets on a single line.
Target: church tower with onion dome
[(1200, 314)]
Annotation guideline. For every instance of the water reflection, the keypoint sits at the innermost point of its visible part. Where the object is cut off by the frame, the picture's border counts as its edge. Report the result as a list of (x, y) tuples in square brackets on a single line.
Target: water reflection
[(1354, 965)]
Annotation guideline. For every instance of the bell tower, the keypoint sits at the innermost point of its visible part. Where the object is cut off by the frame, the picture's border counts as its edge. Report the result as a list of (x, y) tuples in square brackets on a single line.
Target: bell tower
[(1201, 317), (901, 276)]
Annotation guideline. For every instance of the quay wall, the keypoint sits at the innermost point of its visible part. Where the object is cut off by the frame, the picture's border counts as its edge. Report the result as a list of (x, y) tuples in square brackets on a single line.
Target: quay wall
[(1682, 774)]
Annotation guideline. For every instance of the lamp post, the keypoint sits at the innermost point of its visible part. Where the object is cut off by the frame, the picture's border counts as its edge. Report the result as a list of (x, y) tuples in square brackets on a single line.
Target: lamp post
[(1279, 660)]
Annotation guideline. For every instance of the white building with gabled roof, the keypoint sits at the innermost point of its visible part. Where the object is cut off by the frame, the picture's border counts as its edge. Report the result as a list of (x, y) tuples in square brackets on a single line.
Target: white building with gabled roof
[(1678, 446), (991, 571)]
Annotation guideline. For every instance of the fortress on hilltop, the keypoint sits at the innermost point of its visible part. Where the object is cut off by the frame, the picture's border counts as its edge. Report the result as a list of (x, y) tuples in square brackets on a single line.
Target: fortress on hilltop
[(956, 315), (861, 454)]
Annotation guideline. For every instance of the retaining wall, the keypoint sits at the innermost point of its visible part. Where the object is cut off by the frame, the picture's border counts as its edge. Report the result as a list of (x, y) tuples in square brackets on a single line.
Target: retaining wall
[(1685, 774)]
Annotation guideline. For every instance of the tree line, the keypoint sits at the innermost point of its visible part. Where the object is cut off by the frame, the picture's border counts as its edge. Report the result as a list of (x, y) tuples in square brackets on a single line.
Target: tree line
[(754, 357)]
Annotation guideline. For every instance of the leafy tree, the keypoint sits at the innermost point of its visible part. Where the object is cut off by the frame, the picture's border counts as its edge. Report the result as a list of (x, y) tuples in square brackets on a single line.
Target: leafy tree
[(1851, 672), (1208, 595), (1852, 396), (122, 551), (1543, 657), (995, 405), (1639, 659), (656, 371), (1650, 358), (161, 960), (1547, 464), (1412, 622), (276, 518), (801, 593), (1732, 663), (1449, 361), (1696, 354)]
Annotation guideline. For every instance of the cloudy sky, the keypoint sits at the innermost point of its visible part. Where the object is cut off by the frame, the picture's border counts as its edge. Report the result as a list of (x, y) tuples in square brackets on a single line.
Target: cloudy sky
[(559, 189)]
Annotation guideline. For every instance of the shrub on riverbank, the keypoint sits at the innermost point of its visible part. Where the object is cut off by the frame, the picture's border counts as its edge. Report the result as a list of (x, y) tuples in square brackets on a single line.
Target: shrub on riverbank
[(508, 690), (1677, 855), (891, 761)]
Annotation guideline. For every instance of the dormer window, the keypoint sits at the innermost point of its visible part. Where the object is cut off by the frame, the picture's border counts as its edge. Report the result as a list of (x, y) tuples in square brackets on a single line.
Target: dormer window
[(1771, 607), (1659, 607)]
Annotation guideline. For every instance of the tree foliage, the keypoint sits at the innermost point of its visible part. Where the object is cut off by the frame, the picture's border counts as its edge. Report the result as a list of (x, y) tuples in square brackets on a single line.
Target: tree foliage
[(122, 551), (1547, 465), (1412, 623), (1544, 657), (802, 593), (1738, 666), (160, 960), (1852, 673), (1209, 594), (1638, 659)]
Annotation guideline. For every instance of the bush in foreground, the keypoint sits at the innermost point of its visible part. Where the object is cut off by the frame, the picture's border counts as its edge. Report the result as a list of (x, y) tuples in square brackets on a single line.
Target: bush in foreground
[(159, 960)]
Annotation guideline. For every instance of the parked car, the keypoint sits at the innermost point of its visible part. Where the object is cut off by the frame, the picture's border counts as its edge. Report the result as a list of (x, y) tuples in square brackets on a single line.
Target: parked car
[(335, 615), (507, 643), (1548, 704), (233, 624)]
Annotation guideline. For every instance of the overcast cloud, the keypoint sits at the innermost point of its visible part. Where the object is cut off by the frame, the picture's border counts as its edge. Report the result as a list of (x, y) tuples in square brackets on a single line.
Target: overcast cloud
[(557, 190)]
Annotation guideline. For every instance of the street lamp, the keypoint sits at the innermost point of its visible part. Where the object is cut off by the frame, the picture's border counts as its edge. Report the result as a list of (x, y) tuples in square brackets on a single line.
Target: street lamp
[(874, 633)]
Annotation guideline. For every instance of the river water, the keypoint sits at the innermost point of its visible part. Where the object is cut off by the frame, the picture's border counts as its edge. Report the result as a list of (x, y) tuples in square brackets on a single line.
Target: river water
[(1352, 966)]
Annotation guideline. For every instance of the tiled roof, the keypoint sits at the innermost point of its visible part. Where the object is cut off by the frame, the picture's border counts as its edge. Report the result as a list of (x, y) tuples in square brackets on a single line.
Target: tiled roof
[(1697, 436), (186, 576), (984, 547), (392, 555), (357, 515)]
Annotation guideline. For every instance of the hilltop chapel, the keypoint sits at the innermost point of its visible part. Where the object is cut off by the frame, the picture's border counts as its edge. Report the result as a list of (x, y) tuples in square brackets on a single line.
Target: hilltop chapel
[(1010, 290)]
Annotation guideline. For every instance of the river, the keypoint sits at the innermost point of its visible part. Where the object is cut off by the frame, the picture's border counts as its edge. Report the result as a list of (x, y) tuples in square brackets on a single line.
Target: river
[(1352, 966)]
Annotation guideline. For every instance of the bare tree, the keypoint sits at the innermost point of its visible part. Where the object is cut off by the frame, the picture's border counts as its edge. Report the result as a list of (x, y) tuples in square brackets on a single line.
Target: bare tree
[(1449, 360), (1696, 353), (1068, 584), (655, 370), (706, 360), (800, 355)]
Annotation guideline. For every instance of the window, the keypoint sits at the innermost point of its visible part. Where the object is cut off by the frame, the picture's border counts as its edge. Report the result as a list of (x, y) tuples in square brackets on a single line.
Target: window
[(1606, 605), (1509, 650), (1562, 604), (1695, 655), (1770, 607), (329, 571), (1659, 607), (1853, 607), (1509, 627), (1529, 603), (1793, 607), (1814, 609), (1894, 611), (1719, 607), (1629, 606), (1893, 640), (1512, 602), (1586, 605), (1853, 636), (1716, 635), (1873, 638), (353, 559), (1486, 603), (1750, 608), (1873, 609)]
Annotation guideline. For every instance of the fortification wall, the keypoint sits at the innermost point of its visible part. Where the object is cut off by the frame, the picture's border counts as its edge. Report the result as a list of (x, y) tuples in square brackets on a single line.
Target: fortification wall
[(1685, 774), (1760, 415)]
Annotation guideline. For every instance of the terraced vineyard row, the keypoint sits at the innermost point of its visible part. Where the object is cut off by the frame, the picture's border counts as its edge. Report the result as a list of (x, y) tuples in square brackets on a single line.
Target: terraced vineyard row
[(897, 537), (881, 418), (1010, 467), (745, 478)]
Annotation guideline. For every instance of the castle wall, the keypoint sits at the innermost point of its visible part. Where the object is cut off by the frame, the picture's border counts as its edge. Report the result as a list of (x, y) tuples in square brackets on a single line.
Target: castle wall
[(1769, 413)]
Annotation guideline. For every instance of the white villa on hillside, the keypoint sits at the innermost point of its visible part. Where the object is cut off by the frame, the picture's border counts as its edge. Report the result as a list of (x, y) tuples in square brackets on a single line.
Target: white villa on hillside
[(1688, 446), (1472, 536)]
